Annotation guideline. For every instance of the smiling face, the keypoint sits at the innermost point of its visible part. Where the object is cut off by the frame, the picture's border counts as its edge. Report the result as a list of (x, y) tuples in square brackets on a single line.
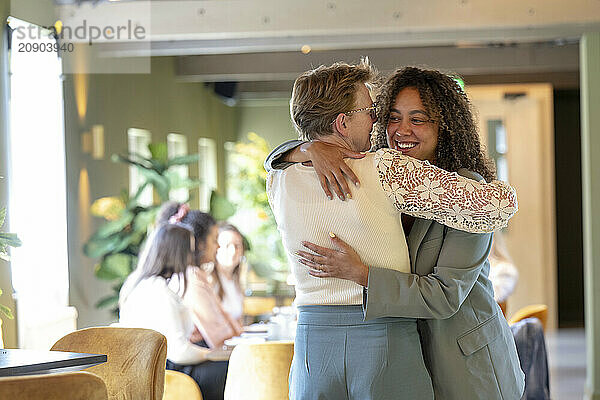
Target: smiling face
[(231, 250), (410, 128)]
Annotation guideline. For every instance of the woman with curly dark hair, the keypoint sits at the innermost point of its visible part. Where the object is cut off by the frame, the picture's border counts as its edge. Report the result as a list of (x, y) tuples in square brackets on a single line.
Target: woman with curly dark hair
[(467, 345), (448, 107)]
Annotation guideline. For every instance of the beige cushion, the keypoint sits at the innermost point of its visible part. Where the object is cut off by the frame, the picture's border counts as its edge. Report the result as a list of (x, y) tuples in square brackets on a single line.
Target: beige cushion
[(259, 371), (61, 386), (135, 368)]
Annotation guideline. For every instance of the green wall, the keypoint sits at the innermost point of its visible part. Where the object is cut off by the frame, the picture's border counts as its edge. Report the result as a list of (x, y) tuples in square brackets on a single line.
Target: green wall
[(270, 118), (156, 102), (590, 168)]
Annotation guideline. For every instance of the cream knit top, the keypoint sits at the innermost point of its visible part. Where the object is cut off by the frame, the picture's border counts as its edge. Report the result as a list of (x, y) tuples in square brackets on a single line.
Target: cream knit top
[(391, 183)]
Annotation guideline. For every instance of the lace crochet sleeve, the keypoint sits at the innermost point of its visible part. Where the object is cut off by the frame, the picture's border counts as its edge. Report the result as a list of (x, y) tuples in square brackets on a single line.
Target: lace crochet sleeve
[(423, 190)]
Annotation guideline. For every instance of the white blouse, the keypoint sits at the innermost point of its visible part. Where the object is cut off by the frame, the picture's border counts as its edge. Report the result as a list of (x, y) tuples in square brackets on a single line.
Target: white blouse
[(153, 305), (233, 298)]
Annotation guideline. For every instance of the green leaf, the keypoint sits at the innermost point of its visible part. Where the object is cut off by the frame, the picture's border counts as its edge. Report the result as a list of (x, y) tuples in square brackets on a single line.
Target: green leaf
[(220, 207), (159, 151), (2, 215), (124, 196), (133, 159), (129, 239), (184, 183), (10, 239), (6, 311), (98, 247), (183, 160), (176, 181), (144, 219), (115, 266), (160, 183), (110, 228), (108, 301), (158, 166), (117, 288), (133, 202), (140, 162)]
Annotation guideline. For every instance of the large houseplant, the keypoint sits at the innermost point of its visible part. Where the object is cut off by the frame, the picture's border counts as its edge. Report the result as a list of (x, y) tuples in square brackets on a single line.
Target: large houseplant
[(247, 180)]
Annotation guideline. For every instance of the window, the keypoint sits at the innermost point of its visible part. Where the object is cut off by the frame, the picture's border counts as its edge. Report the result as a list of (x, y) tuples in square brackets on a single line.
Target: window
[(207, 172), (177, 146), (138, 141), (497, 147), (37, 179), (230, 170)]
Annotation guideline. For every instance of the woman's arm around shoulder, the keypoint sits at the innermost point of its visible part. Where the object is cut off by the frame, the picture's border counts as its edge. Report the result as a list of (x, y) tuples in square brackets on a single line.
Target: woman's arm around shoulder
[(423, 190), (278, 158), (327, 160)]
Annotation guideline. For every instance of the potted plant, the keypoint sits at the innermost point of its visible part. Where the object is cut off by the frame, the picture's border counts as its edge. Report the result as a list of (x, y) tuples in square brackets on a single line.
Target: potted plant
[(247, 191)]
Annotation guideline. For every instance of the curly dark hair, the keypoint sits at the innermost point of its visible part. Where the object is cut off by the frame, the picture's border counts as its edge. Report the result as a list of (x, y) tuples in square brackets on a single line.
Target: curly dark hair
[(445, 101)]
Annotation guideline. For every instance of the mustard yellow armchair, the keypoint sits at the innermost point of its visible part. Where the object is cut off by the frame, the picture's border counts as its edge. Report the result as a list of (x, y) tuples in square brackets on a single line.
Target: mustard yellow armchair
[(259, 371), (539, 311), (179, 386), (135, 368), (62, 386), (254, 306)]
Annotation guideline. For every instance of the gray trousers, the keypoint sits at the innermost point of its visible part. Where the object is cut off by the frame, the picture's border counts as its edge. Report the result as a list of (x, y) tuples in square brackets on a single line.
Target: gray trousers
[(339, 356)]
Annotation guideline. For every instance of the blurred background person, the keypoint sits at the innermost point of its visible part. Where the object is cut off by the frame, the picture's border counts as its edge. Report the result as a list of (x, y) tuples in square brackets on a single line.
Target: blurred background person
[(503, 273), (148, 300), (230, 269), (214, 324)]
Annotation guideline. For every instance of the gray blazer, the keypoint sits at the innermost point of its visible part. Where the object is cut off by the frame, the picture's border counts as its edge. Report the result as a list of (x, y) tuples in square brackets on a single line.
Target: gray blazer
[(466, 342)]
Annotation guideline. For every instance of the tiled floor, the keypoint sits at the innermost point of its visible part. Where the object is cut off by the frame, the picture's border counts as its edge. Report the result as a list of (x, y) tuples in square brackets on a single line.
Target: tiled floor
[(566, 358)]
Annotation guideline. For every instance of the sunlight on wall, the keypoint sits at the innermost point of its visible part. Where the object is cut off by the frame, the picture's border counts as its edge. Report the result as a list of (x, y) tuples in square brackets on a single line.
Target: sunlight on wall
[(81, 82), (84, 204)]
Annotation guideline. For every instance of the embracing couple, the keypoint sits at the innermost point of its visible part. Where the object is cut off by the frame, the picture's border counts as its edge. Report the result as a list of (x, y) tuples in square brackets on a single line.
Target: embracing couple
[(392, 282)]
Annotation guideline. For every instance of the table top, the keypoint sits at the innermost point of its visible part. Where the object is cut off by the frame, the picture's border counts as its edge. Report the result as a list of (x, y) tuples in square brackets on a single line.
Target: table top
[(23, 362)]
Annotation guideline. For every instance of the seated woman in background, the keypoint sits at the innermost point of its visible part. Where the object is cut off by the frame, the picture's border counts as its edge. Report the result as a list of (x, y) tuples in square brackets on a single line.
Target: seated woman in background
[(503, 273), (229, 269), (214, 324), (148, 301)]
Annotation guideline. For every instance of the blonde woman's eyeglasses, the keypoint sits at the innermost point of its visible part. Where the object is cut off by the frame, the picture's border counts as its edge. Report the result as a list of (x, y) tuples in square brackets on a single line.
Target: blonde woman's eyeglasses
[(372, 111)]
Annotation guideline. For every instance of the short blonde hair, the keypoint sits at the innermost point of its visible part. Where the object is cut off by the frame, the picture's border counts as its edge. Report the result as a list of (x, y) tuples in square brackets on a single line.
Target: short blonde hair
[(319, 95)]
